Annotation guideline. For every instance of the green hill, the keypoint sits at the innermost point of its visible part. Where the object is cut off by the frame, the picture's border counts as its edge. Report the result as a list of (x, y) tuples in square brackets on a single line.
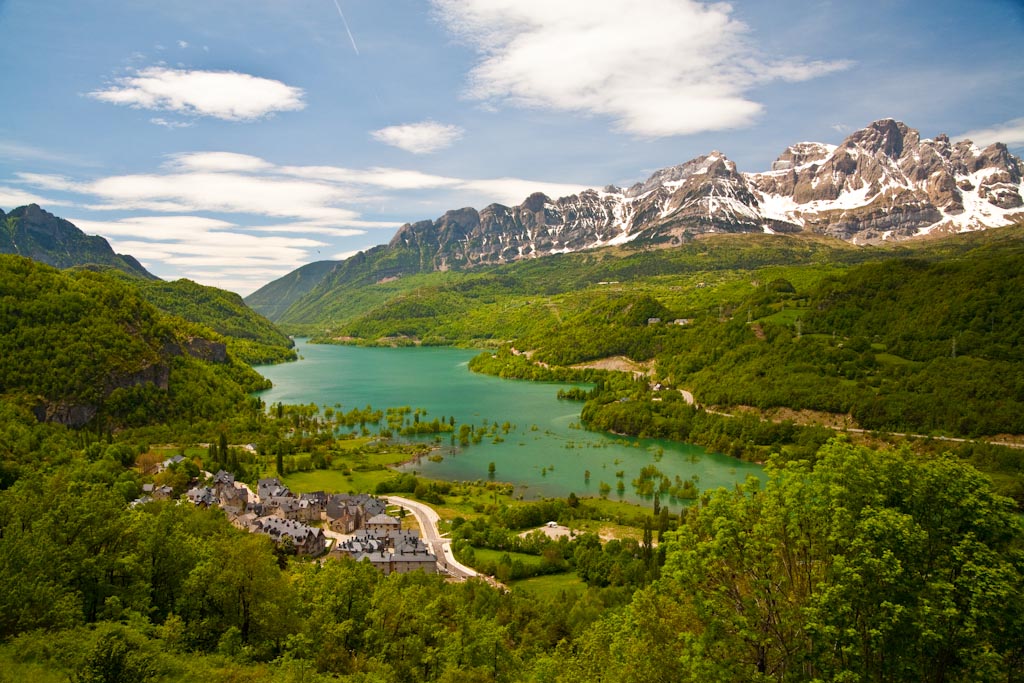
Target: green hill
[(274, 298), (250, 337), (85, 348)]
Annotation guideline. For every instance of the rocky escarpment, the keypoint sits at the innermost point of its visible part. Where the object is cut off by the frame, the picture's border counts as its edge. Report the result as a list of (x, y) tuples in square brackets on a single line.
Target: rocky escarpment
[(76, 414), (704, 195)]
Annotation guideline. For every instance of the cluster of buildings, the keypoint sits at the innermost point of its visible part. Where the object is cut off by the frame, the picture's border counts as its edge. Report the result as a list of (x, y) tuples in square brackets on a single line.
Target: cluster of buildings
[(357, 522)]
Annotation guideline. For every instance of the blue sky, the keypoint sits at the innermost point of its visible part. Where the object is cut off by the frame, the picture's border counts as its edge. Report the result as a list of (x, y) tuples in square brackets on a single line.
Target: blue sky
[(231, 141)]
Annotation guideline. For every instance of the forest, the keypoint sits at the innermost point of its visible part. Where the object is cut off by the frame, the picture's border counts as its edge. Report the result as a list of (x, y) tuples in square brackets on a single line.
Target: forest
[(86, 347)]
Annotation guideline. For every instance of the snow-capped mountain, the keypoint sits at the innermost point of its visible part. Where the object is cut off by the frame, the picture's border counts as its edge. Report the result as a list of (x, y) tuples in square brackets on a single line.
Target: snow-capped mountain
[(885, 182), (882, 182)]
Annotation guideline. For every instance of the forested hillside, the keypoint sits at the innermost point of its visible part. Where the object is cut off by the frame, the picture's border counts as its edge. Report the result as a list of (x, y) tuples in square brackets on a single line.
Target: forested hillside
[(251, 338), (85, 348), (274, 298)]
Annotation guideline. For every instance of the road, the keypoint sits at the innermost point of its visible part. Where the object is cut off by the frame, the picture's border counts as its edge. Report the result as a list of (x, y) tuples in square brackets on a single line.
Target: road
[(431, 535)]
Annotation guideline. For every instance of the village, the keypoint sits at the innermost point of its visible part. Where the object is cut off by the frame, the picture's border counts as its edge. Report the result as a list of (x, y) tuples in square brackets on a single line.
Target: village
[(357, 525)]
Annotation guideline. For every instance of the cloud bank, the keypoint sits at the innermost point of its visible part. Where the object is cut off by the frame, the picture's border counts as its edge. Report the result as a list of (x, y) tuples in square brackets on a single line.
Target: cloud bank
[(657, 68), (279, 216)]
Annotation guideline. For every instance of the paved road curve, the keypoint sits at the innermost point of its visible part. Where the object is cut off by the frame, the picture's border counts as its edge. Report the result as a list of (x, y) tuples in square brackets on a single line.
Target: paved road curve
[(442, 547)]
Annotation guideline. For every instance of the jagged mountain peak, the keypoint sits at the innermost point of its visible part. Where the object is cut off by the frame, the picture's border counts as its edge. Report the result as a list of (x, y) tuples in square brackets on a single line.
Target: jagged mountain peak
[(886, 136), (713, 163), (882, 182), (886, 182)]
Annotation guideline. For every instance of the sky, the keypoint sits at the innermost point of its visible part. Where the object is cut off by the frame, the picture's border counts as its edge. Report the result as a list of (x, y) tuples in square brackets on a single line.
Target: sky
[(232, 141)]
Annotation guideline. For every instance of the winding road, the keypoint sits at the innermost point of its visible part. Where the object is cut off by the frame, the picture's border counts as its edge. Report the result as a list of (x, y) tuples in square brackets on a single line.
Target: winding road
[(441, 547)]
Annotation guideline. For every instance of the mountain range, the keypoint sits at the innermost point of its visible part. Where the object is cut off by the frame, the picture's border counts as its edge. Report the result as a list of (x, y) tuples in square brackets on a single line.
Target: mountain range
[(883, 183)]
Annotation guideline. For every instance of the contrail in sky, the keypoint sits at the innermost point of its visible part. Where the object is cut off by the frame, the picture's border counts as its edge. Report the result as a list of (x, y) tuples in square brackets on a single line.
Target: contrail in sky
[(347, 29)]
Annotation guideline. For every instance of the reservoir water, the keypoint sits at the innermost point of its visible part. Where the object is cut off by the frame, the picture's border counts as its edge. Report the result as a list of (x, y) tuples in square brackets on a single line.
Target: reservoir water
[(545, 453)]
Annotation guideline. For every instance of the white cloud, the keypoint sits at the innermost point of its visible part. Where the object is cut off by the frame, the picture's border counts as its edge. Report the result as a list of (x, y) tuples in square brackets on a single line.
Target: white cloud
[(12, 198), (160, 121), (228, 193), (315, 199), (314, 229), (182, 44), (1010, 133), (218, 161), (657, 68), (419, 138), (51, 182), (390, 178), (225, 253), (286, 215), (224, 95)]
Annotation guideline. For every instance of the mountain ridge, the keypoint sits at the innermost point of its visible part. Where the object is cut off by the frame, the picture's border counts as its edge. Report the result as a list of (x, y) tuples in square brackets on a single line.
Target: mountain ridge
[(882, 183), (44, 237)]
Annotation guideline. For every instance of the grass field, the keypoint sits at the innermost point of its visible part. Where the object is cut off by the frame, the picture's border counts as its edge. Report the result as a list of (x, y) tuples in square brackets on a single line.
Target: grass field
[(549, 586), (487, 555)]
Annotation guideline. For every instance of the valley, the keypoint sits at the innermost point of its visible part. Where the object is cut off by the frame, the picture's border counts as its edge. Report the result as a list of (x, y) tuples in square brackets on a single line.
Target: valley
[(764, 438)]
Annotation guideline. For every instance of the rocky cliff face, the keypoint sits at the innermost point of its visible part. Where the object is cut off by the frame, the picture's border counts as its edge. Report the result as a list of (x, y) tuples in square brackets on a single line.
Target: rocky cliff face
[(883, 182)]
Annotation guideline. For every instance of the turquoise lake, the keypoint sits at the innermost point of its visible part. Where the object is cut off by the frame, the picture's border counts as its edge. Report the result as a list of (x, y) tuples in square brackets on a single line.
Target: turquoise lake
[(544, 454)]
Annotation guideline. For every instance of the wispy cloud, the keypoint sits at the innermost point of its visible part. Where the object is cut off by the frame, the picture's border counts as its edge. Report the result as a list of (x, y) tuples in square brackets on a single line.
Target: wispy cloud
[(419, 138), (23, 152), (1010, 133), (11, 198), (657, 68), (160, 121), (226, 95), (324, 196), (225, 254)]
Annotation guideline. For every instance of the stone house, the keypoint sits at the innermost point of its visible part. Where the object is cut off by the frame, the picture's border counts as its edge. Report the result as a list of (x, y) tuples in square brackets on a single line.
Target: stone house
[(384, 523), (305, 539)]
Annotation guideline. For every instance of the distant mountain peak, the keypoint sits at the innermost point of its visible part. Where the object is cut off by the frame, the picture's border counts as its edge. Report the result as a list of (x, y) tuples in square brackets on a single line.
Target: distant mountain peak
[(43, 237)]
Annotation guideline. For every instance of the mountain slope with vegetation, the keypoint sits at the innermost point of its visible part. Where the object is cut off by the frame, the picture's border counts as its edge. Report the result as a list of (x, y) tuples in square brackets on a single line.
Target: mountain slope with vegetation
[(85, 348), (920, 338), (34, 233), (274, 298), (250, 337)]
